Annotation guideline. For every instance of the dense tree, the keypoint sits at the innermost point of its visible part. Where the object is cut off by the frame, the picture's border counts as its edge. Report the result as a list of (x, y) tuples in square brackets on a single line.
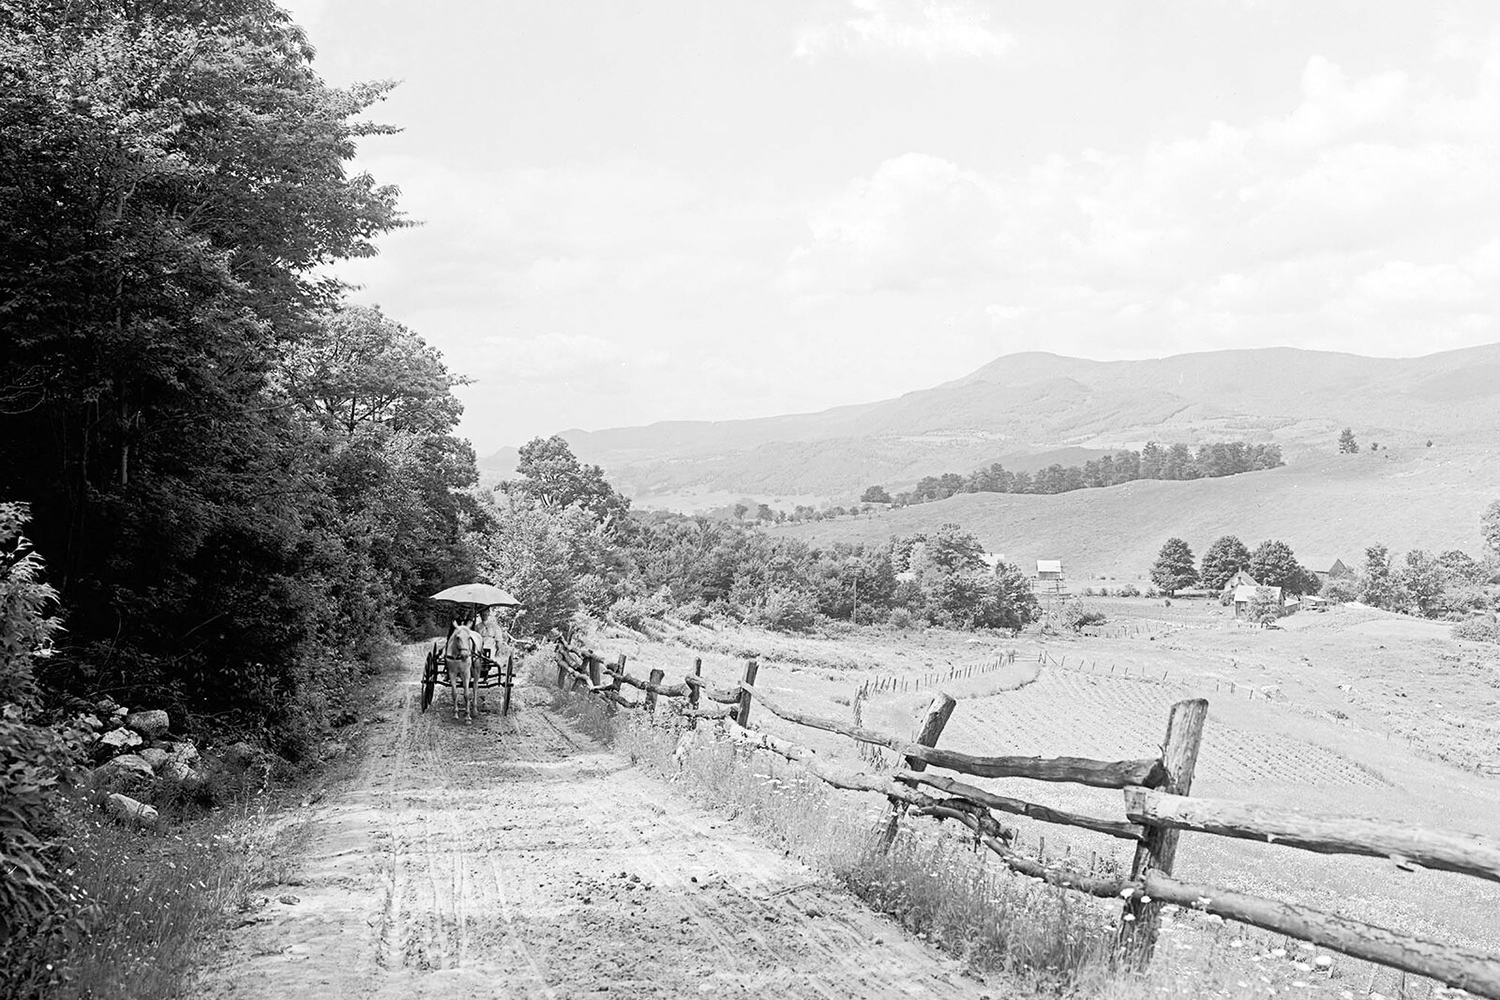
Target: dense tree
[(1377, 585), (1347, 444), (1424, 580), (365, 370), (555, 478), (1152, 462), (1224, 558), (177, 373), (1489, 527), (875, 494), (1273, 565), (1174, 568)]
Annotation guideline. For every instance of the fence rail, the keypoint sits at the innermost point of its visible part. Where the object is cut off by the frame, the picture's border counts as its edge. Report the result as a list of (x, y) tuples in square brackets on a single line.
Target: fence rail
[(1158, 809)]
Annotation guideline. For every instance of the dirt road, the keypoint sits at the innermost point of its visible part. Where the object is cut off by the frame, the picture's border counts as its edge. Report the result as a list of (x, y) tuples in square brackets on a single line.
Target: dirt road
[(517, 858)]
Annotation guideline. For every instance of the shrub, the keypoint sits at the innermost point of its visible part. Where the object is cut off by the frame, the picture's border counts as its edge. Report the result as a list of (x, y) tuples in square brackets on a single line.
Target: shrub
[(1483, 629), (1129, 590), (1340, 590), (635, 612), (593, 594), (37, 917), (787, 611), (901, 618), (1266, 607), (1077, 614)]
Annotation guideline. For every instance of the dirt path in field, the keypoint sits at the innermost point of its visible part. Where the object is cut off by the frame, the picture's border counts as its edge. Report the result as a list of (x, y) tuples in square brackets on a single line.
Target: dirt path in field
[(517, 858)]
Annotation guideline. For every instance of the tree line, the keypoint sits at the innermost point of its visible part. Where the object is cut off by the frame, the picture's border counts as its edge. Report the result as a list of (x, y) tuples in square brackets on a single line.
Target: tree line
[(1450, 585), (561, 533), (222, 485), (1154, 461), (235, 477)]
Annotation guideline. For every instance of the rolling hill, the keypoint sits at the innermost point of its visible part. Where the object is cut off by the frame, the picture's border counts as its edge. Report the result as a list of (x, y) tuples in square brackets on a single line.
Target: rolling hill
[(1325, 508), (1022, 405)]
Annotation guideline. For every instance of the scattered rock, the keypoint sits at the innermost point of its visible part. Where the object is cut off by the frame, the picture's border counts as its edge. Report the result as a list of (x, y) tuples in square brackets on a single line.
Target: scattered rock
[(152, 722), (184, 752), (127, 772), (289, 900), (129, 810), (106, 705), (121, 739), (90, 722), (154, 756)]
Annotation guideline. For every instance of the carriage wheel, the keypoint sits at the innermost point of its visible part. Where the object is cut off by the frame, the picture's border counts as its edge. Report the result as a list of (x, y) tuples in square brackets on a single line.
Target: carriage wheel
[(508, 679), (429, 679)]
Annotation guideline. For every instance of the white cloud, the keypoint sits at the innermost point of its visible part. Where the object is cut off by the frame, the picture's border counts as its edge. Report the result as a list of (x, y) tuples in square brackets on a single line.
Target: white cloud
[(918, 221), (1364, 211), (928, 29), (561, 358)]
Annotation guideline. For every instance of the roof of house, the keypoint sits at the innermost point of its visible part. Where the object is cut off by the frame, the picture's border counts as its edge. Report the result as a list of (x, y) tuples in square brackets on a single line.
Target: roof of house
[(1049, 565), (1240, 579)]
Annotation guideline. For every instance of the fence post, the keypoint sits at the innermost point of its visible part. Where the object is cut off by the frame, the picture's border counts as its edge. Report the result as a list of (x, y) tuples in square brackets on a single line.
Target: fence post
[(596, 669), (929, 728), (656, 678), (562, 669), (742, 714), (1140, 920), (693, 692)]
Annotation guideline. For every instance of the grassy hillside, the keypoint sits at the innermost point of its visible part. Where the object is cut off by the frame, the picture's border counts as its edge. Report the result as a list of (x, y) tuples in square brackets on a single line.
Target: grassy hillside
[(1325, 509), (1027, 403)]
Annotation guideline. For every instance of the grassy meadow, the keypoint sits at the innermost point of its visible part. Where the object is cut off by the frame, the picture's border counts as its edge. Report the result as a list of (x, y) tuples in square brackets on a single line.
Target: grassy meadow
[(1325, 508), (1350, 711)]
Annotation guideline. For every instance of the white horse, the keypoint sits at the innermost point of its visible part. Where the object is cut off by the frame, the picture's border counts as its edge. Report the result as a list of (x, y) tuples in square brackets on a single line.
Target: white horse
[(460, 653)]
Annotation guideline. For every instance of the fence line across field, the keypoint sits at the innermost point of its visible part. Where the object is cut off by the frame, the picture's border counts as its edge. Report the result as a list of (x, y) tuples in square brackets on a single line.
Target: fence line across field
[(1158, 809)]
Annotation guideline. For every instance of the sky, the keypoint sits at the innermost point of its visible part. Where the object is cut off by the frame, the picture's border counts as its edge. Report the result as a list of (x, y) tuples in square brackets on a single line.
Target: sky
[(674, 210)]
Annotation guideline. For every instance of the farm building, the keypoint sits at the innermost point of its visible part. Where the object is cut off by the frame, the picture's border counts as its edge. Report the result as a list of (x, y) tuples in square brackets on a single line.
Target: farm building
[(1049, 570), (1240, 579), (1334, 572), (1245, 594)]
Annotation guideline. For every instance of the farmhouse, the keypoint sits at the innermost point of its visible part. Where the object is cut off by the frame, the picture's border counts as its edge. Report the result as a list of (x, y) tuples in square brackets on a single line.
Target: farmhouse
[(1240, 579), (1245, 594), (1049, 570)]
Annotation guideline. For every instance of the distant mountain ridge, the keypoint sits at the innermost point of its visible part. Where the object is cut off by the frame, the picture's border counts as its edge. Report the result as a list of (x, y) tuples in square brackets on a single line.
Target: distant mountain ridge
[(1020, 405)]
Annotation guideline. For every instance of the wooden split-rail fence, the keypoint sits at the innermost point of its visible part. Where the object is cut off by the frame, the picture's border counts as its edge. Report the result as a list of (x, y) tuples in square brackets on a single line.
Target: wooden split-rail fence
[(1158, 809)]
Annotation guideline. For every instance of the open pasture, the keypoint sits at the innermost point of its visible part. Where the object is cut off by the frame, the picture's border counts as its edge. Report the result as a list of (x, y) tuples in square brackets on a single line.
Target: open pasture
[(1350, 711)]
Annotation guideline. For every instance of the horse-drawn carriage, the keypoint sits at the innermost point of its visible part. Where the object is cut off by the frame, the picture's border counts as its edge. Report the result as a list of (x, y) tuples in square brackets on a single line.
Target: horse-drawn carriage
[(490, 673), (467, 660)]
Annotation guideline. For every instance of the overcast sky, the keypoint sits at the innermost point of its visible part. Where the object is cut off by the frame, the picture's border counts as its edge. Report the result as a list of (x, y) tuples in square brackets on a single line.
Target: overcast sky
[(707, 210)]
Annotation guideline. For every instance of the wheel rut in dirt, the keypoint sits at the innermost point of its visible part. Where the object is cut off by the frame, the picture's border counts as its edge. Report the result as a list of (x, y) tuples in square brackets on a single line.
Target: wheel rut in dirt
[(515, 857)]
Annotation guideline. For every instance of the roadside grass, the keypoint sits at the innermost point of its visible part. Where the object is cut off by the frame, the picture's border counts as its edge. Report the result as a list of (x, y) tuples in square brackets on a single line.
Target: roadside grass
[(933, 881), (156, 902)]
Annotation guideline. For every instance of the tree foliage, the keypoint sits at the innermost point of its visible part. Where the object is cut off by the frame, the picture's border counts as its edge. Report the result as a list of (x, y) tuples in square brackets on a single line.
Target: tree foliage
[(1154, 461), (1274, 565), (227, 468), (1489, 528), (1347, 444), (555, 478), (1224, 558), (1174, 569)]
